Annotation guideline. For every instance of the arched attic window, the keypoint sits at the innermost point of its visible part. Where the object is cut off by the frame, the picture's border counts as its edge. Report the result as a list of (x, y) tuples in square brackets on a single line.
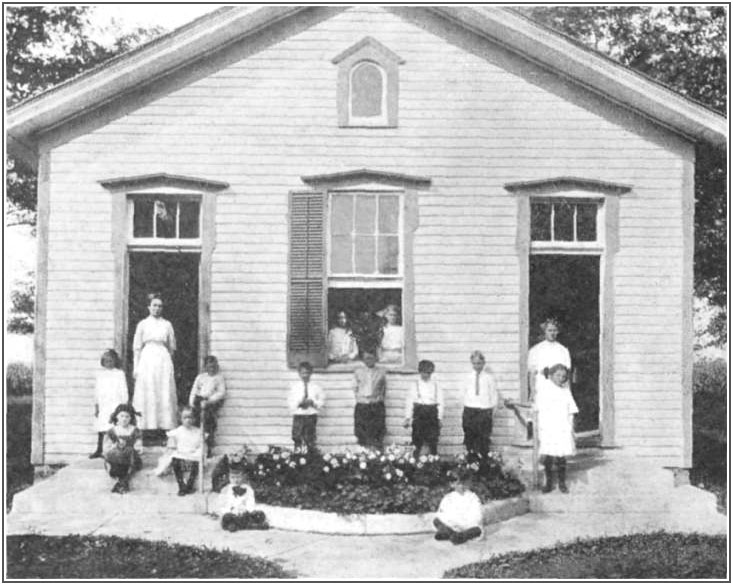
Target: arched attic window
[(368, 85)]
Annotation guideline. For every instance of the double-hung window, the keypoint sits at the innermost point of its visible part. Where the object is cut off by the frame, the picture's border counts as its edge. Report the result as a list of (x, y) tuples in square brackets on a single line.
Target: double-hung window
[(350, 275)]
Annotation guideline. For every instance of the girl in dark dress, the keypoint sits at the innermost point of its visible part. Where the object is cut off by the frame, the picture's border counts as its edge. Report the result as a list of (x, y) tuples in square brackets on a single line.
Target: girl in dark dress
[(123, 445)]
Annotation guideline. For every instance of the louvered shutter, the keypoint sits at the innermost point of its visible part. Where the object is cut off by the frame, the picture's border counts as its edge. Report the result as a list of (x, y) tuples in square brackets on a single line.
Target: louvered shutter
[(307, 294)]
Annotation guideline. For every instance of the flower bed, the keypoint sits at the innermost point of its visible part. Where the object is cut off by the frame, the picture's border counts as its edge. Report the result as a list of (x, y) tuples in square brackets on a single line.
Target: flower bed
[(372, 482)]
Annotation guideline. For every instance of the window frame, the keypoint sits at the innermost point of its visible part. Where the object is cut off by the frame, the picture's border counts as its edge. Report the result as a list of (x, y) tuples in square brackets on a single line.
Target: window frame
[(382, 118), (372, 51), (138, 243), (568, 246)]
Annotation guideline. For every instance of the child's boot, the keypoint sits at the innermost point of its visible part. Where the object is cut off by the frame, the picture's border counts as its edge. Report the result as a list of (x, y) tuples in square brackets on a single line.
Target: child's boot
[(561, 467), (191, 483), (549, 484), (465, 535), (178, 472)]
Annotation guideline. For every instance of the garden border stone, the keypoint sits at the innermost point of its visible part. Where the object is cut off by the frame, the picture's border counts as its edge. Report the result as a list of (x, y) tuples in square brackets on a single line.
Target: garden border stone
[(299, 520)]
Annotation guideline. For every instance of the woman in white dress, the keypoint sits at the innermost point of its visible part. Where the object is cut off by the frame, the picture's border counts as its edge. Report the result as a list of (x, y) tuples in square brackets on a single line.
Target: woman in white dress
[(546, 354), (393, 339), (155, 386)]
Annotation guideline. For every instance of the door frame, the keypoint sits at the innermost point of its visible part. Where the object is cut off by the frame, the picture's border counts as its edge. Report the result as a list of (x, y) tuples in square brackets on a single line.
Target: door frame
[(121, 248), (608, 245)]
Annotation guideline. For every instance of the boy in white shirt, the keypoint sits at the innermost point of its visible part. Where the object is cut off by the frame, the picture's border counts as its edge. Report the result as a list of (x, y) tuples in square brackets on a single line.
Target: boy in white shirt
[(460, 515), (480, 397), (238, 510), (304, 400), (424, 409)]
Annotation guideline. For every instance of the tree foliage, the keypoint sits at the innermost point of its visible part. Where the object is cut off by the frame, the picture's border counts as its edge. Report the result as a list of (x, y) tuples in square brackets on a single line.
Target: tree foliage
[(45, 46), (683, 47)]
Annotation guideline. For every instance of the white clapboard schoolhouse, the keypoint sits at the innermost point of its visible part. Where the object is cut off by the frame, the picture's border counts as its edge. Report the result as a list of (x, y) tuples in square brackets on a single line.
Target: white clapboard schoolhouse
[(265, 167)]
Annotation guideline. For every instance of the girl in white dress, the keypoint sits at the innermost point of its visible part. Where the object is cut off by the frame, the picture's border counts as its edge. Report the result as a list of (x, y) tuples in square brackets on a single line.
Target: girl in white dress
[(155, 385), (393, 339), (556, 411), (110, 390), (545, 354)]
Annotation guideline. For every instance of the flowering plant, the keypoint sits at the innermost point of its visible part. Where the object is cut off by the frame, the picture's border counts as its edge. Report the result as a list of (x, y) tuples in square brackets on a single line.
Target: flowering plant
[(372, 481)]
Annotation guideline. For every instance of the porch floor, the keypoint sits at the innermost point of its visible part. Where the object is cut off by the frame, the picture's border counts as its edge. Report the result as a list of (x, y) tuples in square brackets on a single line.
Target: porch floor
[(609, 495)]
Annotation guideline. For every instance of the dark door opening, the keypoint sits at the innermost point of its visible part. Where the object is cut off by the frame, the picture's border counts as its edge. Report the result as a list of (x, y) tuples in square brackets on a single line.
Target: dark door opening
[(176, 277), (568, 287)]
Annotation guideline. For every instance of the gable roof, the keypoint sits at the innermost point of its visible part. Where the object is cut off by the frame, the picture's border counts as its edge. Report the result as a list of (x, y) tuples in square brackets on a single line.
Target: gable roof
[(213, 31)]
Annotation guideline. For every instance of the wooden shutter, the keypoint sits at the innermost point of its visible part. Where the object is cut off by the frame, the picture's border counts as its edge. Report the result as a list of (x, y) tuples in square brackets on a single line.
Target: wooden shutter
[(307, 293)]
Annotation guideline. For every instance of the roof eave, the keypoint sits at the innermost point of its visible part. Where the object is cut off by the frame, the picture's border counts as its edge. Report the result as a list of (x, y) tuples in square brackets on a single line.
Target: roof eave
[(615, 82)]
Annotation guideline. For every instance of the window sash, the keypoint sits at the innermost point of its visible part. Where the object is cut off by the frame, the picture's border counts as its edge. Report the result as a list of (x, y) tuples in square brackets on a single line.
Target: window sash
[(154, 239), (379, 119), (375, 235), (575, 202)]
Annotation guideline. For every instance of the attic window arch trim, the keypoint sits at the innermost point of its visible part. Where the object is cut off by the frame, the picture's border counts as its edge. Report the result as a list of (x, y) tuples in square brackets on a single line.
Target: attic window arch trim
[(368, 50)]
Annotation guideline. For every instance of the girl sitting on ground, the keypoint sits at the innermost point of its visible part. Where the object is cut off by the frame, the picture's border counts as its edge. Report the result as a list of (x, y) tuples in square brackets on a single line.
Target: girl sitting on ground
[(110, 389), (238, 504), (556, 411), (123, 446), (185, 445), (460, 515)]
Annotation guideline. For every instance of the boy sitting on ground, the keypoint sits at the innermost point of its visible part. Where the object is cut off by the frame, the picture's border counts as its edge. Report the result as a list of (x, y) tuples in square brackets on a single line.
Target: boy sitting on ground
[(460, 515), (238, 504)]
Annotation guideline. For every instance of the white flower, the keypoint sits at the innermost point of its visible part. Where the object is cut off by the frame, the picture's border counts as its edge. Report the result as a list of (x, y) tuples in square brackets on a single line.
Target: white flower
[(276, 456), (383, 459), (388, 476), (291, 464), (326, 469), (301, 460), (286, 454), (399, 472), (423, 459), (278, 466), (391, 457), (419, 465), (261, 466), (362, 465), (412, 461)]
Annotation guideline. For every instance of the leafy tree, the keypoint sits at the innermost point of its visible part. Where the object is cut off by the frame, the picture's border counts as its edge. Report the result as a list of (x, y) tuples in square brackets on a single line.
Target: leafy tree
[(683, 47), (22, 300), (45, 46)]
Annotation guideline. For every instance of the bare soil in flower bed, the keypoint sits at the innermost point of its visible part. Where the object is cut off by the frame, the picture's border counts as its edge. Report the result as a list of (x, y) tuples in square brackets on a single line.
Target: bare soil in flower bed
[(658, 555), (110, 557), (392, 482)]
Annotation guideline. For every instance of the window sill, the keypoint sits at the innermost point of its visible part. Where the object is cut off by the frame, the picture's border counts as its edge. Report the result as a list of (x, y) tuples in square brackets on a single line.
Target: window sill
[(350, 367)]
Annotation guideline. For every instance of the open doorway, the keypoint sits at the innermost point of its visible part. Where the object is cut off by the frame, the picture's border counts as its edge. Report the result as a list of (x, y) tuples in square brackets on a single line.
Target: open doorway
[(568, 287), (176, 277)]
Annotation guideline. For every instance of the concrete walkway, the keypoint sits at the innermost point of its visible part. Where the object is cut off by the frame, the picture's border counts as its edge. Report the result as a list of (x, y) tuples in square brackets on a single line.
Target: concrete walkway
[(607, 497), (322, 557)]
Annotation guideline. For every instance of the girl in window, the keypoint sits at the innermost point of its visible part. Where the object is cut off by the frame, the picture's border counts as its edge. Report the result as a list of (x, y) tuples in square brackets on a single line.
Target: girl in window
[(393, 339)]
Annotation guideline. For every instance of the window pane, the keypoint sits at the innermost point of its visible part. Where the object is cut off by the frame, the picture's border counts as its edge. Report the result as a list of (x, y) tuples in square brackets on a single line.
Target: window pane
[(165, 219), (540, 223), (366, 90), (587, 213), (366, 209), (389, 253), (341, 214), (189, 223), (341, 254), (564, 221), (389, 214), (364, 256), (142, 219)]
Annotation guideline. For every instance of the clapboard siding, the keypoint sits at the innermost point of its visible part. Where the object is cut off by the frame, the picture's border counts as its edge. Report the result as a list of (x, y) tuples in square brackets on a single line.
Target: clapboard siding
[(472, 122)]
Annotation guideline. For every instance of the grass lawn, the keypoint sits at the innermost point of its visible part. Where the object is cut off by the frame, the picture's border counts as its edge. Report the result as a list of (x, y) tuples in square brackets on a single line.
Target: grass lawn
[(659, 555), (111, 557)]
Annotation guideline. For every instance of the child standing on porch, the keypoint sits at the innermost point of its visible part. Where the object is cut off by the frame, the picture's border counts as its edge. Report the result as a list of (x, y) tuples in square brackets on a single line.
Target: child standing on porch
[(110, 389), (304, 400), (207, 394), (424, 409), (556, 411)]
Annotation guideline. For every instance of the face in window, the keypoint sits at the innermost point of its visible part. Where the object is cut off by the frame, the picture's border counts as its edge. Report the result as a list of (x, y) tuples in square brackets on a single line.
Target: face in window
[(370, 359), (342, 320), (391, 317)]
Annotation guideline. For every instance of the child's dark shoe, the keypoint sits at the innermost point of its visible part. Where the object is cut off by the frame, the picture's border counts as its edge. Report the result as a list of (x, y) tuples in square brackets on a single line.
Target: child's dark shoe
[(563, 487), (440, 535), (116, 488), (95, 455), (465, 536), (547, 488)]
